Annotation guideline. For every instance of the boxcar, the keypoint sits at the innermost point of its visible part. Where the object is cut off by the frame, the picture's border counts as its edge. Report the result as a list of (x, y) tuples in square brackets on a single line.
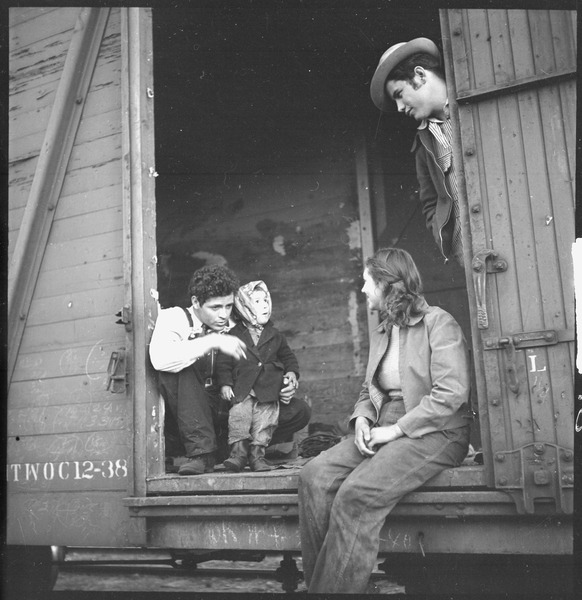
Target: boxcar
[(107, 219)]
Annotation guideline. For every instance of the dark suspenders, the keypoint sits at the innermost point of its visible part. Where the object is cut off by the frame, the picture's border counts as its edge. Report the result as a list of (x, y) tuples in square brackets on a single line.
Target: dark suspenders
[(208, 382), (191, 322)]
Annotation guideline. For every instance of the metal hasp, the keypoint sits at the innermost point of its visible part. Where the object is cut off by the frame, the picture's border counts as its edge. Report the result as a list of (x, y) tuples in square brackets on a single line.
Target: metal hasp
[(519, 341), (117, 372), (529, 339), (480, 270), (537, 471)]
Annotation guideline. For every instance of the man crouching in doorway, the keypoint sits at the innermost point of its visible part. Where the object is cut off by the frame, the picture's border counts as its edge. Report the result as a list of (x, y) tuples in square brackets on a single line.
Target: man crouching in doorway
[(183, 349)]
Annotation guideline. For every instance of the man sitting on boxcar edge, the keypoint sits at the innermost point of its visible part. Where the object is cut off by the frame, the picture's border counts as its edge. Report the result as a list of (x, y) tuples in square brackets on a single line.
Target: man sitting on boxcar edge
[(183, 349)]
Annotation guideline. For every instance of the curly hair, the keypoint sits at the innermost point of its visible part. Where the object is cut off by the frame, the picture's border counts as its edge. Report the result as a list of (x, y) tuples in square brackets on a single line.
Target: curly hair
[(212, 281), (394, 270), (404, 71)]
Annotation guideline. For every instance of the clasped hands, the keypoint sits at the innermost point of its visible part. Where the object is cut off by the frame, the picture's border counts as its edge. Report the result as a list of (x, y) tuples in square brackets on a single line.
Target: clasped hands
[(288, 391), (367, 438)]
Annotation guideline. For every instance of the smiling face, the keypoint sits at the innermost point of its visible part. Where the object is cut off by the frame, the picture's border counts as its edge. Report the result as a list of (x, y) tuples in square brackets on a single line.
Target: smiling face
[(420, 98), (262, 306), (215, 312), (374, 293)]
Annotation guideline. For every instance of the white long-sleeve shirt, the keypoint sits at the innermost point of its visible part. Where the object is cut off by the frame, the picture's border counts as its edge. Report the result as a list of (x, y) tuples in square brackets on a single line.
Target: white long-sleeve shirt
[(170, 348)]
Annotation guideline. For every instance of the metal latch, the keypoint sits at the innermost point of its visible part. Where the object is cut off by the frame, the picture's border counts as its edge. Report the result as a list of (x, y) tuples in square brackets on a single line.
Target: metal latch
[(529, 339), (117, 373), (480, 270), (510, 364), (519, 341), (124, 317)]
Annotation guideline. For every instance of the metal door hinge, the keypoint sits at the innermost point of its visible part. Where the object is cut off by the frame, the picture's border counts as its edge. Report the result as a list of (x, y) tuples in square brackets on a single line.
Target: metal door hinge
[(117, 372)]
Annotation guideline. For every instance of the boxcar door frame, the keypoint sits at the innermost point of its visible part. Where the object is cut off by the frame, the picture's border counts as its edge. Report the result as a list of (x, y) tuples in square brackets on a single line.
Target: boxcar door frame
[(68, 438), (139, 176)]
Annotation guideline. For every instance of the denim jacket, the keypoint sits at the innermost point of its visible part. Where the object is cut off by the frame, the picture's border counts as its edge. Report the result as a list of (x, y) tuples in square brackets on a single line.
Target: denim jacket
[(434, 375)]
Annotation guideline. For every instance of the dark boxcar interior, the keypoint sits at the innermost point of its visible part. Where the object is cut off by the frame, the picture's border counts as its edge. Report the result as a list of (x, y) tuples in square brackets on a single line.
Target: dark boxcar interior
[(262, 116)]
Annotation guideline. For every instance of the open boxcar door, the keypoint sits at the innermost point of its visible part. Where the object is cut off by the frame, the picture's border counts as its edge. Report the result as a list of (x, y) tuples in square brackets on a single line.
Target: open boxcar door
[(81, 221), (512, 74)]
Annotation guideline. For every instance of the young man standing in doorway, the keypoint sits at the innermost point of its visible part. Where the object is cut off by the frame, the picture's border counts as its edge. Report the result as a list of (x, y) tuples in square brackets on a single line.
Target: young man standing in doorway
[(410, 78)]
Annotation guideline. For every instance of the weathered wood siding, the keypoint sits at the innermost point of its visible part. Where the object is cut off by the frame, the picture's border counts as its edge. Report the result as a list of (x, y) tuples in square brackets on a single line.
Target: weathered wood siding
[(519, 158), (34, 78), (298, 230), (69, 439)]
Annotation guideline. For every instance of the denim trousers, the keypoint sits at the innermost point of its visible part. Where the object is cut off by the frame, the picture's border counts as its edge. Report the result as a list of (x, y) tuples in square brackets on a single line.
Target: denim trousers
[(344, 500)]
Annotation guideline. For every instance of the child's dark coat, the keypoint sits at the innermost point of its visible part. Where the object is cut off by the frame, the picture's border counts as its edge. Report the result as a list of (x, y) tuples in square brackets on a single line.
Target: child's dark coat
[(264, 367)]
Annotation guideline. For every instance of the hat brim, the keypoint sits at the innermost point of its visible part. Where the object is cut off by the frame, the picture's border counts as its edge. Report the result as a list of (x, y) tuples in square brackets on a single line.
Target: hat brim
[(378, 85)]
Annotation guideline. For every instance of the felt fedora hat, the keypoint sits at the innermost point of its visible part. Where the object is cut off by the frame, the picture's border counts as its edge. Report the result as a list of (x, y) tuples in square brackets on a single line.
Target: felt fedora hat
[(392, 57)]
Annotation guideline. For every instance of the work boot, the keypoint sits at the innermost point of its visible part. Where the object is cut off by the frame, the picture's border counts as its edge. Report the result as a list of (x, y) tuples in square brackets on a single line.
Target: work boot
[(203, 463), (237, 460), (170, 466), (257, 459)]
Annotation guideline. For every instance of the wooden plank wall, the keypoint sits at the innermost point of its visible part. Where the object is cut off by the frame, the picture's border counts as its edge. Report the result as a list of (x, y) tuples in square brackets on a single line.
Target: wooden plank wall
[(34, 78), (69, 442), (298, 230), (520, 169)]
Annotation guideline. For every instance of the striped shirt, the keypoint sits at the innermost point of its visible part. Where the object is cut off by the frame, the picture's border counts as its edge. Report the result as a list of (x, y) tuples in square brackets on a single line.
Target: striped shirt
[(442, 132)]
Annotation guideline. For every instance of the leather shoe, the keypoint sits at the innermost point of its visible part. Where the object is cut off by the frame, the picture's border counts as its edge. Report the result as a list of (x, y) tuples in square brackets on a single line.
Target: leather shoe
[(204, 463), (238, 458), (257, 459)]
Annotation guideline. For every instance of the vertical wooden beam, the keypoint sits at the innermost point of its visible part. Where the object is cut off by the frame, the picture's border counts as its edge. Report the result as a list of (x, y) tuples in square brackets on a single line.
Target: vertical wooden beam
[(380, 217), (50, 172), (468, 241), (140, 242), (365, 210)]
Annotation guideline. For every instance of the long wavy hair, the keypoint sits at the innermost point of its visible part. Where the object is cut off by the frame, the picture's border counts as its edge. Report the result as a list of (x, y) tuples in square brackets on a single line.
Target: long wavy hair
[(394, 270)]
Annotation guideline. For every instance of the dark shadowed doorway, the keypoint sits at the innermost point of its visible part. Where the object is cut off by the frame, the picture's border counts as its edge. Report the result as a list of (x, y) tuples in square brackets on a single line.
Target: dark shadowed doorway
[(260, 110)]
